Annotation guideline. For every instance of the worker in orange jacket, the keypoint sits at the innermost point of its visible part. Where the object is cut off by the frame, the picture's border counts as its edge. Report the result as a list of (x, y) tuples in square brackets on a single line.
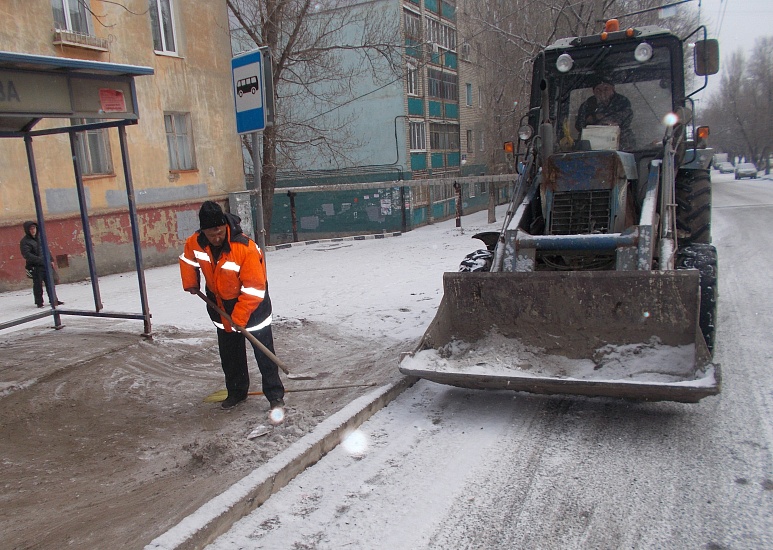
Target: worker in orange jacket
[(235, 275)]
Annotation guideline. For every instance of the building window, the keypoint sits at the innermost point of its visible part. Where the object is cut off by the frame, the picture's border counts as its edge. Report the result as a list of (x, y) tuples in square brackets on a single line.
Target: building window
[(179, 139), (418, 136), (162, 24), (412, 81), (442, 85), (93, 150), (72, 15), (465, 52), (480, 97), (443, 136), (440, 34), (412, 23), (469, 94), (470, 142), (481, 141)]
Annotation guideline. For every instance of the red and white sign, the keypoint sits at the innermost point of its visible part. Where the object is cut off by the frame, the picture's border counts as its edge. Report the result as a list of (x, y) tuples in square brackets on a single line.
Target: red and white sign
[(112, 101)]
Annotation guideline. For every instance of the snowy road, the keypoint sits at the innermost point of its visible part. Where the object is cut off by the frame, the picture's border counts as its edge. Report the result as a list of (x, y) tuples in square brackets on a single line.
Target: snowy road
[(447, 468)]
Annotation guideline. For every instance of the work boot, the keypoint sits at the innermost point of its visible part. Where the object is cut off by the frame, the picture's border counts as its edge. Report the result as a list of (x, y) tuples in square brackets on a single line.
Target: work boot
[(277, 404), (232, 400)]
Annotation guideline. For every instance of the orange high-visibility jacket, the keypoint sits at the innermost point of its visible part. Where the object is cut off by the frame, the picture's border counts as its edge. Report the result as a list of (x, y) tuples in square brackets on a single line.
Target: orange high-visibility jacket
[(237, 282)]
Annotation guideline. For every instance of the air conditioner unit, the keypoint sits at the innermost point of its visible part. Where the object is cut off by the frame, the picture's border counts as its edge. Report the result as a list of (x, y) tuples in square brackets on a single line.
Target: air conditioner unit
[(79, 40), (465, 51)]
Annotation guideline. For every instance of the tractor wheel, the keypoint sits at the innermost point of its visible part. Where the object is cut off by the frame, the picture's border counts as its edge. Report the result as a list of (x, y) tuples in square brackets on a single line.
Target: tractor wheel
[(693, 207), (480, 260), (703, 257)]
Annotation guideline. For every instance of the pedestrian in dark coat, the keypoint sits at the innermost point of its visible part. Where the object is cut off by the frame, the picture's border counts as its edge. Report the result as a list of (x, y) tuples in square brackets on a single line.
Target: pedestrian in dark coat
[(35, 265)]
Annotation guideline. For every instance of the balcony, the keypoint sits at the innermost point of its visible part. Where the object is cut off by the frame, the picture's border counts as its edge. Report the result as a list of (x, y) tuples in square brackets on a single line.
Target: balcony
[(79, 40)]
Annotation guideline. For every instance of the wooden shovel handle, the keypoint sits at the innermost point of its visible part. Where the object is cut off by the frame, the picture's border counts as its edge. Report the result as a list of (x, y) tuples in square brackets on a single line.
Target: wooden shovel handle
[(244, 331)]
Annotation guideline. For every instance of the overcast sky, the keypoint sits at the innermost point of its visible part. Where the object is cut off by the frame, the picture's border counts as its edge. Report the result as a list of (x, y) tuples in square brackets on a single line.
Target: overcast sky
[(737, 23)]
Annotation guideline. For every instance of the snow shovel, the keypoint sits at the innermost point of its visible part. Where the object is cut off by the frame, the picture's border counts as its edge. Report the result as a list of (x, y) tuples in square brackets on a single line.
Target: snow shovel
[(220, 395), (258, 344)]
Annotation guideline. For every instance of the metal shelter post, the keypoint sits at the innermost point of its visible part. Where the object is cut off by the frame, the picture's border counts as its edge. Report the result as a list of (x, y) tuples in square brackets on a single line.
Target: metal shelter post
[(42, 231), (74, 140), (135, 229)]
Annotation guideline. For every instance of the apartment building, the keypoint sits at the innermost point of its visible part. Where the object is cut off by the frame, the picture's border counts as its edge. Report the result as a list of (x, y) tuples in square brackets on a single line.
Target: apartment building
[(418, 122)]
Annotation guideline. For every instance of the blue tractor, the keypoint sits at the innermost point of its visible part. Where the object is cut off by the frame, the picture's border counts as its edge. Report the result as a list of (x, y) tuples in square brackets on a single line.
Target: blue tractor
[(603, 279)]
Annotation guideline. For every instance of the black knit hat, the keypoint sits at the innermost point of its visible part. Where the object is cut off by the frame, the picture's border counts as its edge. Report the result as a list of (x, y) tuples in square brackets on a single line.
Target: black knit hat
[(211, 215)]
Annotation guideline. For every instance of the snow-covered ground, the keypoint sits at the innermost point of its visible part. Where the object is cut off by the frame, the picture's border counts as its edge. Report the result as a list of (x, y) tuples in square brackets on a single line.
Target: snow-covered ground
[(498, 469), (376, 287), (447, 468)]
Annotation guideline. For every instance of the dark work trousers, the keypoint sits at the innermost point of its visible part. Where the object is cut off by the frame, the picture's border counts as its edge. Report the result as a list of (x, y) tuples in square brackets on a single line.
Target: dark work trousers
[(233, 359), (38, 280)]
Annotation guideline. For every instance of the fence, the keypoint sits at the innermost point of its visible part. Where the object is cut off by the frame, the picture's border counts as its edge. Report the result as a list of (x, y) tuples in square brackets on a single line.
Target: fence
[(311, 212)]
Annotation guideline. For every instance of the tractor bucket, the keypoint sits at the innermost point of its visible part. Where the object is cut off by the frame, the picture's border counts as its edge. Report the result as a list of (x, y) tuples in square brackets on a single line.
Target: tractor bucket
[(623, 334)]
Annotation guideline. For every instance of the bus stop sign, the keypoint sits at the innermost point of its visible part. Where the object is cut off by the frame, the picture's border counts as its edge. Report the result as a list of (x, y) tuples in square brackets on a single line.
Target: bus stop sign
[(249, 91)]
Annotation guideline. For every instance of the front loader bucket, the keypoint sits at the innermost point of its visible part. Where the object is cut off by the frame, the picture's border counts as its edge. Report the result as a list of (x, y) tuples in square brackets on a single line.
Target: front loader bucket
[(628, 334)]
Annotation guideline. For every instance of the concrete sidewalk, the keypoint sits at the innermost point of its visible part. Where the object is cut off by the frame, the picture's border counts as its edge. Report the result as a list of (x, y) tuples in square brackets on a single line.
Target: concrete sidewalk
[(103, 427), (217, 516)]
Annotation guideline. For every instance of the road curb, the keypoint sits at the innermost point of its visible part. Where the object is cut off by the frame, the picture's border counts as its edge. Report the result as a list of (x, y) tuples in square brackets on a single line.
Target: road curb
[(218, 515), (273, 247)]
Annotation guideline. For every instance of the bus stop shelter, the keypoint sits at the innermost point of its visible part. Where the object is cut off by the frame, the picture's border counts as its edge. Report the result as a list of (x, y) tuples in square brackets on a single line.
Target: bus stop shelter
[(37, 88)]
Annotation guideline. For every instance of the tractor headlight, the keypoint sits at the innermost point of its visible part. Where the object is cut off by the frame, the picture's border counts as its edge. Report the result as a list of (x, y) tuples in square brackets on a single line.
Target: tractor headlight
[(643, 52), (525, 132), (564, 63)]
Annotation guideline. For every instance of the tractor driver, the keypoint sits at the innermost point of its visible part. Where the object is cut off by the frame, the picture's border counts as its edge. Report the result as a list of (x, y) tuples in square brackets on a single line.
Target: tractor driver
[(607, 108)]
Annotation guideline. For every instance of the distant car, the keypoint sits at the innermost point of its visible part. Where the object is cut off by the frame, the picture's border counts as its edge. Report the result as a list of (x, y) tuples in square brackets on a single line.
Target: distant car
[(725, 167), (745, 170)]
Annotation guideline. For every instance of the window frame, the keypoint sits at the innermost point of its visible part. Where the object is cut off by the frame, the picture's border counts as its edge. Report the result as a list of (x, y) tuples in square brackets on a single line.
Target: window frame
[(83, 8), (418, 135), (158, 27), (444, 137), (86, 152), (412, 24), (176, 137), (412, 82), (442, 85)]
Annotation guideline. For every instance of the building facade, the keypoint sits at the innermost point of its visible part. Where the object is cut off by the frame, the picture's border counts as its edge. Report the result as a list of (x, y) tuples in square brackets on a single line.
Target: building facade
[(427, 122), (183, 150)]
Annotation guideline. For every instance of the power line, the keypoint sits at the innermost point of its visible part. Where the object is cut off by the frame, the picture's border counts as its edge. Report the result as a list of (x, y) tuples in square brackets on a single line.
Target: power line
[(723, 11)]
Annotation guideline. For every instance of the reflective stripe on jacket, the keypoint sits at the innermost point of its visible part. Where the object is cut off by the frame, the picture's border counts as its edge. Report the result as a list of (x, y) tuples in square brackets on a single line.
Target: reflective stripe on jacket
[(237, 282)]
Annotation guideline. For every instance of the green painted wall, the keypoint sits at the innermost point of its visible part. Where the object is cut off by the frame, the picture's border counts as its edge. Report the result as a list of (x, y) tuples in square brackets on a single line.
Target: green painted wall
[(415, 106), (418, 161)]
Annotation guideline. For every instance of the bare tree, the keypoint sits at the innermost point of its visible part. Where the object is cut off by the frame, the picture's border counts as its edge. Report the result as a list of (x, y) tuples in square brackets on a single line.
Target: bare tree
[(741, 112), (320, 48)]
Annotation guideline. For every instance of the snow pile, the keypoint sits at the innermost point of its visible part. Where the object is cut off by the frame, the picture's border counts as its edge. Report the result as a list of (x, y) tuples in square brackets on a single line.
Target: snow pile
[(496, 355)]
